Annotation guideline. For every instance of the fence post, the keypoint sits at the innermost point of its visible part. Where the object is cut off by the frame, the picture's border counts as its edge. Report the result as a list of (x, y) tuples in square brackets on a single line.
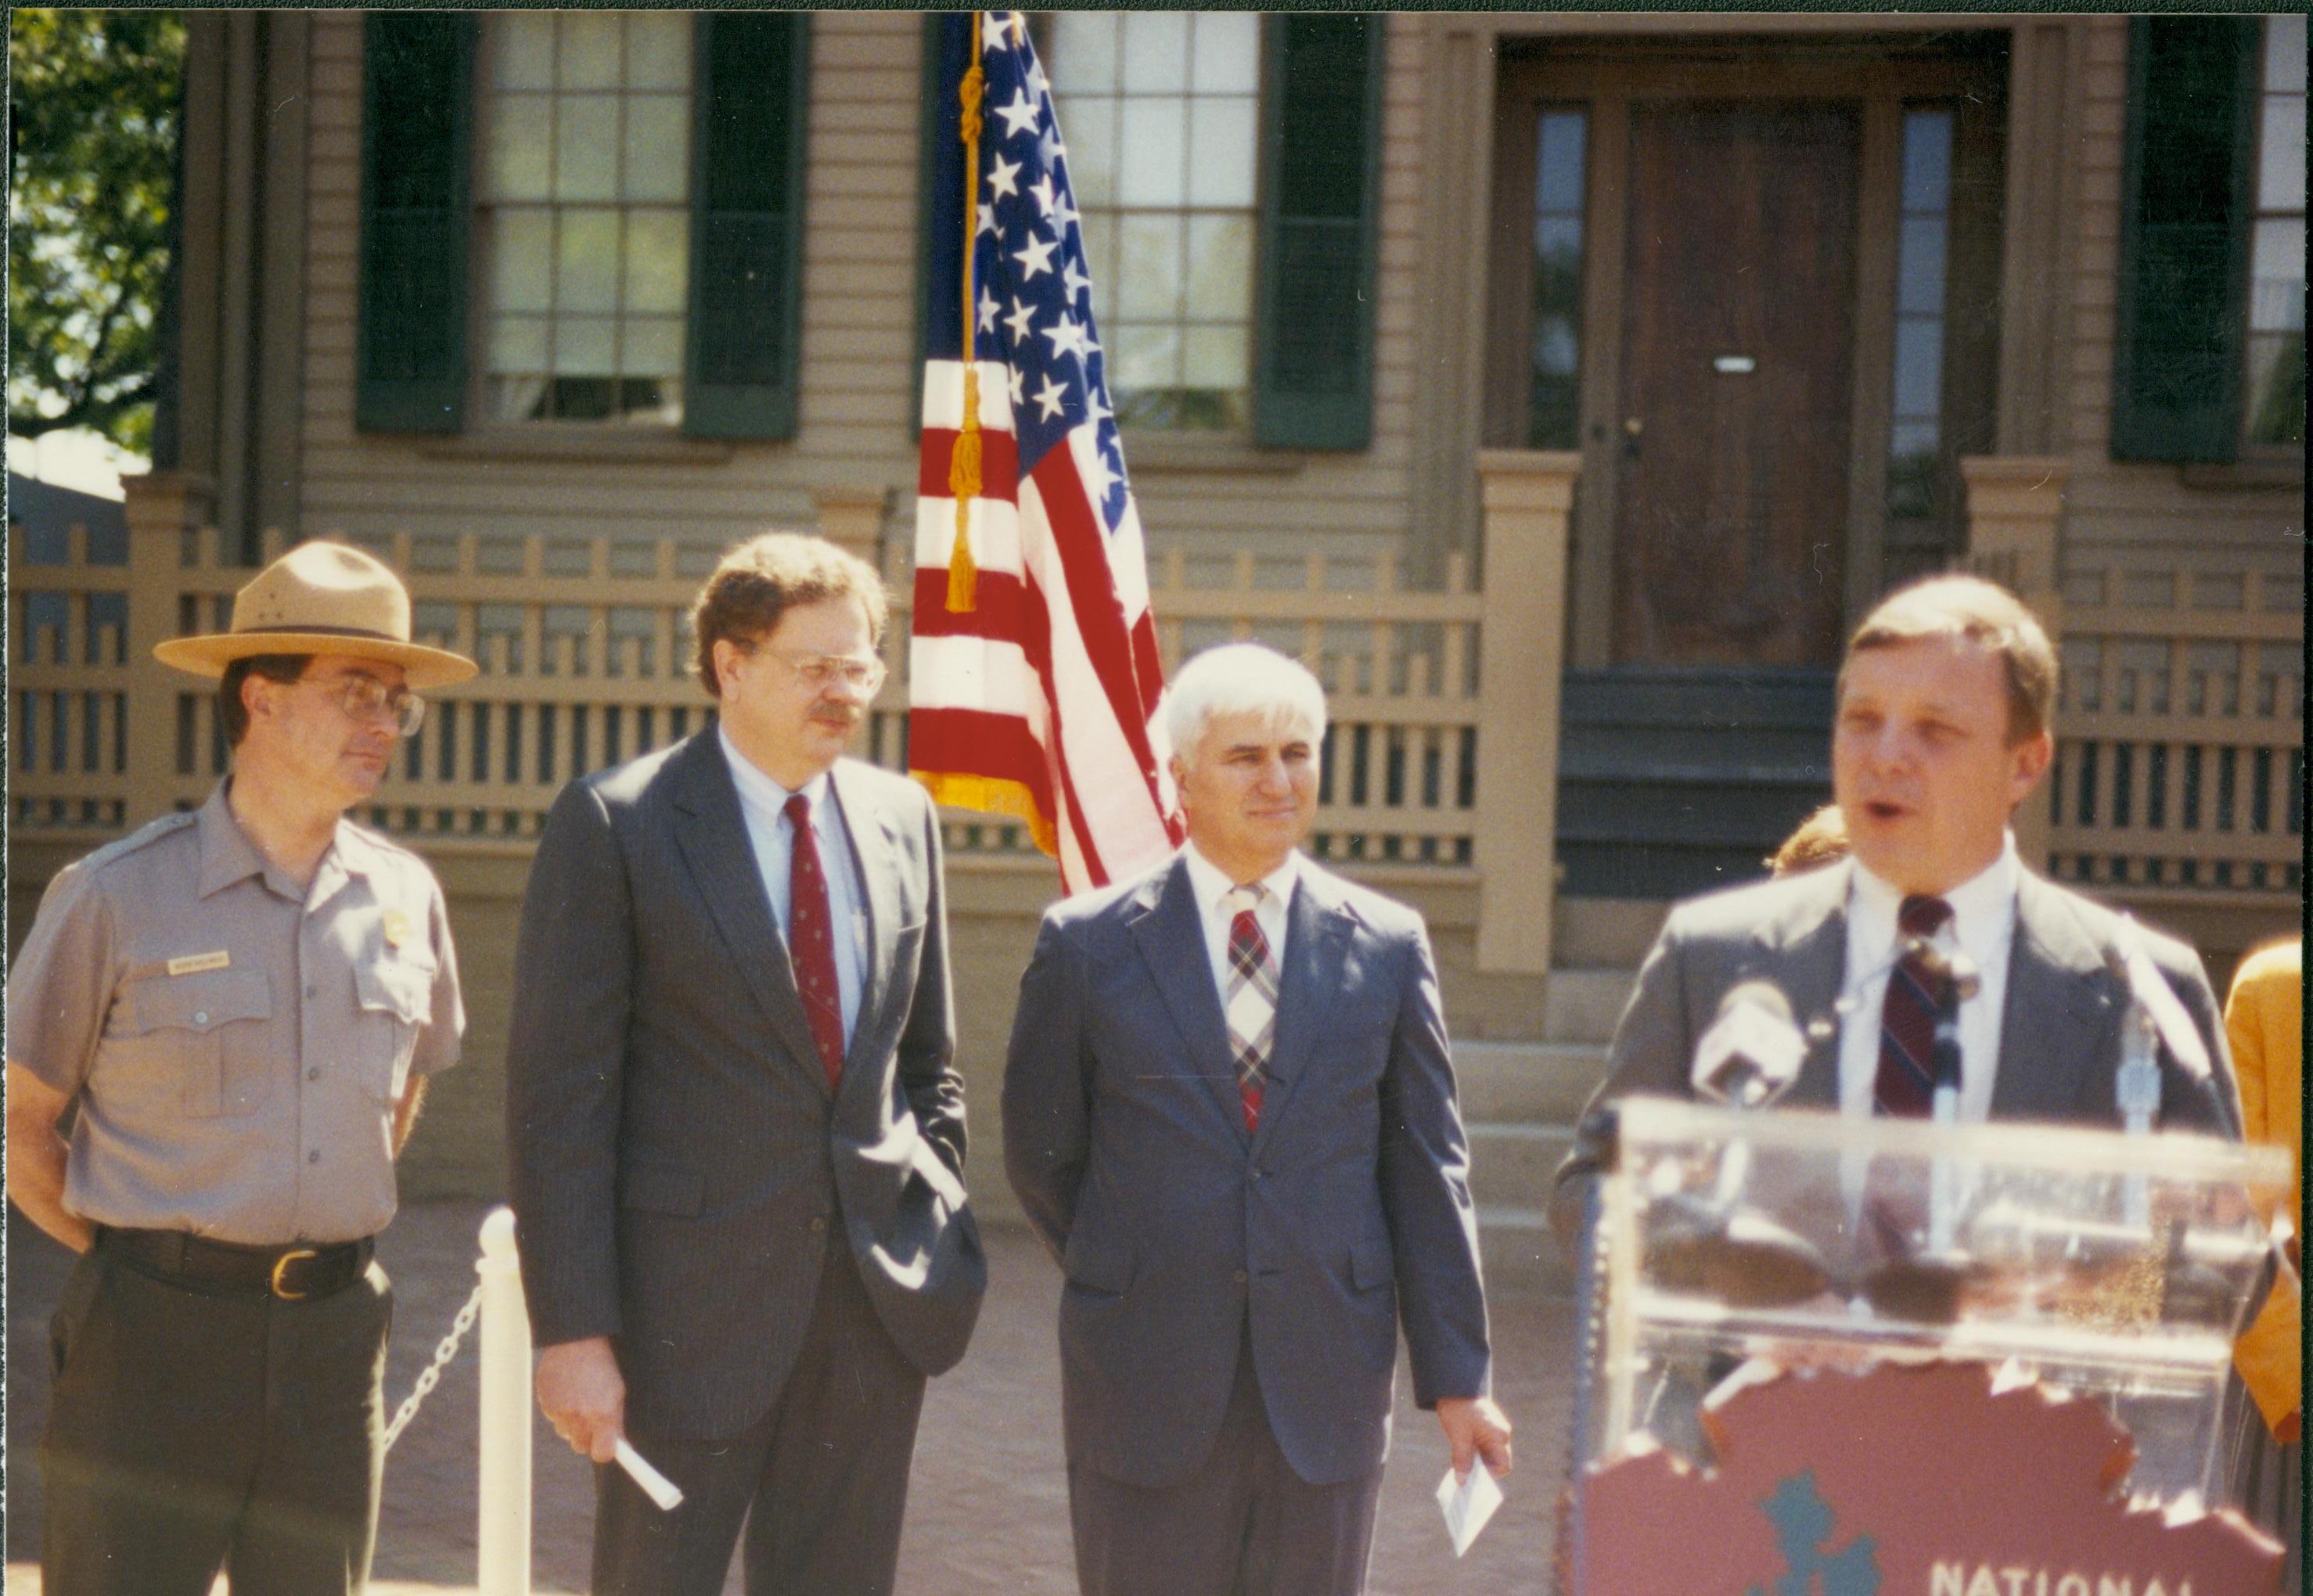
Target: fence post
[(1527, 495), (160, 507), (2014, 506), (503, 1535)]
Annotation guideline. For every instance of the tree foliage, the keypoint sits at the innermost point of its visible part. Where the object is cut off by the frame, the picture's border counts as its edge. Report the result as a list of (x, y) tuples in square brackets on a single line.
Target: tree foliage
[(93, 111)]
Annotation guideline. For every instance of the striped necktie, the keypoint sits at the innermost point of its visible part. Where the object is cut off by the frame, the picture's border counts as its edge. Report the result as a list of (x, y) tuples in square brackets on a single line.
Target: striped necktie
[(1905, 1084), (1251, 1002)]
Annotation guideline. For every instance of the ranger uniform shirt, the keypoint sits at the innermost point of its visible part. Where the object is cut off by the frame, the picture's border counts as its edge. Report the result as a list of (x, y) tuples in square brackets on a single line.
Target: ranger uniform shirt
[(236, 1046)]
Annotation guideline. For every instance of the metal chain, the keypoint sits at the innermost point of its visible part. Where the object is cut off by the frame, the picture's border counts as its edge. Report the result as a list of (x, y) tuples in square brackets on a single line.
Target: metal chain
[(432, 1376)]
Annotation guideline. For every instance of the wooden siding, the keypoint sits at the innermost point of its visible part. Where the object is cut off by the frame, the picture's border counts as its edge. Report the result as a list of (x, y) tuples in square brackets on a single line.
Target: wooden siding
[(1205, 497)]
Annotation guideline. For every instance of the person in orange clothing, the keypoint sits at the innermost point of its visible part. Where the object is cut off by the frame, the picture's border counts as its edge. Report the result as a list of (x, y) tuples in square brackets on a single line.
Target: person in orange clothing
[(2264, 1020)]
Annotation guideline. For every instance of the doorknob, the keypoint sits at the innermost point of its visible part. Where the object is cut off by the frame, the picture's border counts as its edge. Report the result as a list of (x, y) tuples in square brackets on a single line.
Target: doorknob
[(1632, 429)]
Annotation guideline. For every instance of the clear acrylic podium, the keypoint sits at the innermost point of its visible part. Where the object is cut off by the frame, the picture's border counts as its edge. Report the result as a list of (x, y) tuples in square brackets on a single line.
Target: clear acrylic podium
[(2116, 1268)]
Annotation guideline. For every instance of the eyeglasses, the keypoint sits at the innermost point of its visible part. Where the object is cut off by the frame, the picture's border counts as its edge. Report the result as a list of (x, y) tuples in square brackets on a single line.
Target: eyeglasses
[(862, 674), (366, 699)]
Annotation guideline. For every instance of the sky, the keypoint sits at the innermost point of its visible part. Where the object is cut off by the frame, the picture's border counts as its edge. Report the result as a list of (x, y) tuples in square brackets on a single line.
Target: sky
[(77, 459)]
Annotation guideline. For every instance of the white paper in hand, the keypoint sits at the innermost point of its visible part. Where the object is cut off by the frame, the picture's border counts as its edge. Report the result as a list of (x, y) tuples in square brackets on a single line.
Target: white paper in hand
[(657, 1486), (1468, 1504)]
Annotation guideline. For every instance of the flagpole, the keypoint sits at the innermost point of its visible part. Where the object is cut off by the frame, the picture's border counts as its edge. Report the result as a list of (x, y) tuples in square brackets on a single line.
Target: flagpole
[(964, 479)]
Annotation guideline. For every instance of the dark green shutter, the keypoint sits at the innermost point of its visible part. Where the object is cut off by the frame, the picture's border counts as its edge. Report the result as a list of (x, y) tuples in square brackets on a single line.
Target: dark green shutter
[(746, 227), (2184, 239), (416, 110), (1312, 363)]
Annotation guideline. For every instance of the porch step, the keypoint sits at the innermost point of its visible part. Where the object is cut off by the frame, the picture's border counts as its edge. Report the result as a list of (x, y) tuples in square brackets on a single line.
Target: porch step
[(1583, 1004), (1525, 1082), (1596, 932)]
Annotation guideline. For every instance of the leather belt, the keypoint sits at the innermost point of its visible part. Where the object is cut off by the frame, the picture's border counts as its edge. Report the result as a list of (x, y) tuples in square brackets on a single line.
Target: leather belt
[(295, 1273)]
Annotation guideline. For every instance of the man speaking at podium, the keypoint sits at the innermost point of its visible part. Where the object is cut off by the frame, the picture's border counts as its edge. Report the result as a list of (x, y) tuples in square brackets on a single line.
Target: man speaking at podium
[(1942, 729)]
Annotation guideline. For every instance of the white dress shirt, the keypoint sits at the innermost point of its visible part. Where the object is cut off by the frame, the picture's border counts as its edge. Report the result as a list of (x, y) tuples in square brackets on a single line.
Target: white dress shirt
[(762, 802), (1982, 925), (1212, 887)]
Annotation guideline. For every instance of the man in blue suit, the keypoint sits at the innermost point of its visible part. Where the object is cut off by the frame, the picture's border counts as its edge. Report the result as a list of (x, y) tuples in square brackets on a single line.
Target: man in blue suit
[(1229, 1112)]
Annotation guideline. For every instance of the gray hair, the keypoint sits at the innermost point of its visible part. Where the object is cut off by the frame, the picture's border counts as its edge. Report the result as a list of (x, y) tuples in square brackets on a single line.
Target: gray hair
[(1239, 679)]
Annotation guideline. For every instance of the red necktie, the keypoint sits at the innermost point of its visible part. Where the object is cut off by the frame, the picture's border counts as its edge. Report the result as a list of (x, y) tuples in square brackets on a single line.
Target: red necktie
[(811, 942), (1905, 1084)]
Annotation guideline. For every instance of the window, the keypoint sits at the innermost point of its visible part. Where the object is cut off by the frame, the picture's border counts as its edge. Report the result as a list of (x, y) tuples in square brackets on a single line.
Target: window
[(2273, 411), (1554, 354), (1915, 433), (1161, 112), (583, 216)]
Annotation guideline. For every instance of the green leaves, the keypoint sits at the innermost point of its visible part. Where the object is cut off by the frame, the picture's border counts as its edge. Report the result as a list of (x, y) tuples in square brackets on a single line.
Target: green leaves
[(94, 103)]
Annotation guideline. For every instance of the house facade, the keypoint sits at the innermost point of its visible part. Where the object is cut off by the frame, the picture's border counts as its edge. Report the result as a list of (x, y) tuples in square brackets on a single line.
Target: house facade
[(1563, 386)]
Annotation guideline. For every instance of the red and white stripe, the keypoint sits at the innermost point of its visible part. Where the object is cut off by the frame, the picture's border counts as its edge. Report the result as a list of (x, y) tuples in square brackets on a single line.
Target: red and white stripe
[(1053, 681)]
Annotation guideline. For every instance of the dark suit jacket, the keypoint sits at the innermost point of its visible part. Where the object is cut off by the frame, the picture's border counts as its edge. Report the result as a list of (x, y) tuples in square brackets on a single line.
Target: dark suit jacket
[(2059, 1027), (679, 1163), (1347, 1213)]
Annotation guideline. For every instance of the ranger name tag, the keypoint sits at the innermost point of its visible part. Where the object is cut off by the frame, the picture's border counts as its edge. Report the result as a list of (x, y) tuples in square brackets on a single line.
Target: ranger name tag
[(192, 964)]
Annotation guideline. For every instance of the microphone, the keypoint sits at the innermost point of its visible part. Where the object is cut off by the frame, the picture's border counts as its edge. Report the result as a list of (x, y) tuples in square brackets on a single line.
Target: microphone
[(1752, 1053)]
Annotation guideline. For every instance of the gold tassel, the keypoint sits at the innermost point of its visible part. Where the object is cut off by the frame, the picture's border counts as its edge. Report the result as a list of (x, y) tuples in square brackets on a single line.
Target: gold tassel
[(964, 479)]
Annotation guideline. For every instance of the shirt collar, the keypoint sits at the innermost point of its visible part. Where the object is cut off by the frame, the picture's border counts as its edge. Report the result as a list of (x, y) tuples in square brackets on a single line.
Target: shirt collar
[(228, 856), (759, 791), (1211, 884), (1981, 906)]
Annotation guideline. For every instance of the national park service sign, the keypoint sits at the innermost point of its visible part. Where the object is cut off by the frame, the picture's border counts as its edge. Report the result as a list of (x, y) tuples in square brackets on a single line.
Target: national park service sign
[(1932, 1479)]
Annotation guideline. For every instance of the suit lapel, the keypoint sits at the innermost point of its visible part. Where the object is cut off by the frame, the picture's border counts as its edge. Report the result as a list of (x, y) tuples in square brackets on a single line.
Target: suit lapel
[(1170, 936), (2058, 1017), (875, 851), (712, 834), (1812, 968), (1317, 937)]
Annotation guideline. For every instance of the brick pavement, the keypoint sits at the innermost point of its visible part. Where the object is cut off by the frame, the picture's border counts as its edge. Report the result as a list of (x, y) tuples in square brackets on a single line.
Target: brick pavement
[(988, 1513)]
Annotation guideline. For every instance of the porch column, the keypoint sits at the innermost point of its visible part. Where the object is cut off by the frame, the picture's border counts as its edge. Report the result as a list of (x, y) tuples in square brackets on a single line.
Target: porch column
[(1527, 495), (2014, 504), (161, 507)]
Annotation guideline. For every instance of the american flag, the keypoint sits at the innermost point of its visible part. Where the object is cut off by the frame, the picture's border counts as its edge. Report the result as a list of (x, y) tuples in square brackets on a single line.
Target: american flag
[(1034, 669)]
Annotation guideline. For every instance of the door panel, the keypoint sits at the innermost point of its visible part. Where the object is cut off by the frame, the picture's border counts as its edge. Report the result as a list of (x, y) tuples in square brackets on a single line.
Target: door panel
[(1738, 362)]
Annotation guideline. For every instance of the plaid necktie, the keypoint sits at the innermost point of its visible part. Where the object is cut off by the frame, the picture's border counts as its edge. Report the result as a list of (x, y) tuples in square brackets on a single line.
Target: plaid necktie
[(1905, 1084), (811, 942), (1251, 1001)]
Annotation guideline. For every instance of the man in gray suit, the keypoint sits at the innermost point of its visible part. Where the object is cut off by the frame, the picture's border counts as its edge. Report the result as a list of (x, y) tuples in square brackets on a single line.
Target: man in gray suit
[(1229, 1113), (1942, 729), (736, 1130)]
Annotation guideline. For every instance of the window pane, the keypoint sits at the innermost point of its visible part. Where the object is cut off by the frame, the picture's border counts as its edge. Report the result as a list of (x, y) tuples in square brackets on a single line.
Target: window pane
[(585, 345), (1216, 357), (658, 147), (658, 261), (2276, 387), (523, 51), (2281, 166), (1148, 270), (1228, 53), (2278, 272), (1220, 268), (522, 260), (1927, 160), (1919, 366), (1089, 126), (1558, 176), (519, 160), (517, 344), (587, 258), (654, 346), (1554, 347), (1156, 52), (590, 50), (1098, 233), (586, 147), (1143, 355), (2284, 54), (658, 50), (518, 398), (1221, 151), (1150, 140), (1084, 53), (1558, 249), (1920, 278)]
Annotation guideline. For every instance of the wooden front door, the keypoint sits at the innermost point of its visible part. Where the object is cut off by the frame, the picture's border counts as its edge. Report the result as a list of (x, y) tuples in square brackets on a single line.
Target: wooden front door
[(1737, 363)]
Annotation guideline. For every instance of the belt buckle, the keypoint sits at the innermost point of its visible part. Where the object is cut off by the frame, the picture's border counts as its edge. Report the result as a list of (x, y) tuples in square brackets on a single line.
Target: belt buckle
[(283, 1262)]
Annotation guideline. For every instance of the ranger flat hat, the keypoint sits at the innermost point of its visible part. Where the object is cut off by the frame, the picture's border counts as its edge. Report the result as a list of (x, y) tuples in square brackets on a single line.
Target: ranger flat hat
[(321, 598)]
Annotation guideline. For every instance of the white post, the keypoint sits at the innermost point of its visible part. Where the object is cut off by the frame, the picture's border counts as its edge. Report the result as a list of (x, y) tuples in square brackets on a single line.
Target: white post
[(504, 1532)]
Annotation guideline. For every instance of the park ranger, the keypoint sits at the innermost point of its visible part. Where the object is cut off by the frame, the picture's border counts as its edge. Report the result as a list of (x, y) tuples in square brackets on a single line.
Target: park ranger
[(239, 1006)]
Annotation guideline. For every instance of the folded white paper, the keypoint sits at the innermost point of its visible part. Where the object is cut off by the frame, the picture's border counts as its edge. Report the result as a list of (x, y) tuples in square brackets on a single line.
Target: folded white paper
[(657, 1486), (1468, 1504)]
